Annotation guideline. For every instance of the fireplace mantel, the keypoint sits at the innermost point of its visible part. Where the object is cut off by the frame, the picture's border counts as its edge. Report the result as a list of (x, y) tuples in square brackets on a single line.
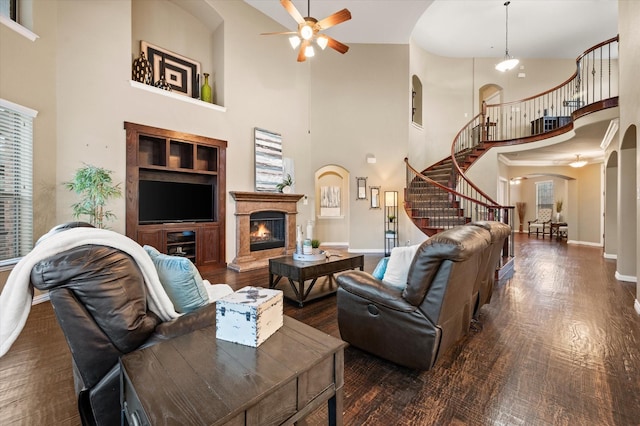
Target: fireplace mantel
[(276, 197), (252, 202)]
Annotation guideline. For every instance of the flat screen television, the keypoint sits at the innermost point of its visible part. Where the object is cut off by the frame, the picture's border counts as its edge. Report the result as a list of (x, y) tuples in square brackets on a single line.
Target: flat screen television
[(161, 202)]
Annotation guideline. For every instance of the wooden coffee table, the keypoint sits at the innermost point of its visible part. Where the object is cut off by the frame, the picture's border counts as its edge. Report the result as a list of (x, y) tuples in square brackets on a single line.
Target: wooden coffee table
[(196, 379), (298, 272)]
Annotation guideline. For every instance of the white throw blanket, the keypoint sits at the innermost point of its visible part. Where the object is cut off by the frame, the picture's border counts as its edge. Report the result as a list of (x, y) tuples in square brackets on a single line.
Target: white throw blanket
[(16, 297)]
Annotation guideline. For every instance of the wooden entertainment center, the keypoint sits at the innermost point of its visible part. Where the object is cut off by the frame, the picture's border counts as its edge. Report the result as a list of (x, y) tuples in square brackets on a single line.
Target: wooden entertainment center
[(179, 161)]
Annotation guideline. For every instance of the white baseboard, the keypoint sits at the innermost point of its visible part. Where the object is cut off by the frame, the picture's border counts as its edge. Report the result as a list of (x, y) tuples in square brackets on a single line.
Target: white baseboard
[(44, 297), (610, 256), (626, 278), (584, 243), (366, 251), (636, 305), (345, 244)]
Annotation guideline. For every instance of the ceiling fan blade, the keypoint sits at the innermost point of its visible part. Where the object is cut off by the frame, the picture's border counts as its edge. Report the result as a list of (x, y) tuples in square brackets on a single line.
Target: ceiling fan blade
[(280, 33), (301, 56), (335, 19), (335, 44), (287, 4)]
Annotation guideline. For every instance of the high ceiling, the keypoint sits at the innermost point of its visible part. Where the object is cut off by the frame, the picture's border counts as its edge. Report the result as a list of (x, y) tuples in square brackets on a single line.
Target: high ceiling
[(474, 28)]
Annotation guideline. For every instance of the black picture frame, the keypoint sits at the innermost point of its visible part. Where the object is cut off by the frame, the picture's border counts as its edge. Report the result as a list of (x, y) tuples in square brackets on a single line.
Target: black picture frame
[(183, 74)]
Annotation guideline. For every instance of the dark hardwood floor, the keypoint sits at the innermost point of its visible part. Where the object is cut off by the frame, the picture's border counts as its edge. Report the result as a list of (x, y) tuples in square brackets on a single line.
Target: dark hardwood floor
[(557, 345)]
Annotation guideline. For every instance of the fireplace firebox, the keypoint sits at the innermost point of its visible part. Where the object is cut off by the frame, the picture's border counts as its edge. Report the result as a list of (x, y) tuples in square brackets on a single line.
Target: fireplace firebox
[(266, 230)]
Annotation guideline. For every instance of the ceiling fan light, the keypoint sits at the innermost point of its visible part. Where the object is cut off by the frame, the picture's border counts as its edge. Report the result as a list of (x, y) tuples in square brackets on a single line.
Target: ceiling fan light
[(309, 52), (294, 41), (322, 41), (507, 64), (306, 32)]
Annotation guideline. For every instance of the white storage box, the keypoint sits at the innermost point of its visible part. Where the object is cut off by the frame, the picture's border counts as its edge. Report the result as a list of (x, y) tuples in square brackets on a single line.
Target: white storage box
[(249, 316)]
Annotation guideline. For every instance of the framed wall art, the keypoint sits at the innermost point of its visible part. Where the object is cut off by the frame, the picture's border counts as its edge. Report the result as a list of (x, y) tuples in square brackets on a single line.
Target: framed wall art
[(182, 74), (268, 160), (361, 188), (375, 197)]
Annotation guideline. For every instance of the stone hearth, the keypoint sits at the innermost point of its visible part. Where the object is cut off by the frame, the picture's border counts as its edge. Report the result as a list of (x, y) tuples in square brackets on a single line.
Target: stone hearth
[(252, 202)]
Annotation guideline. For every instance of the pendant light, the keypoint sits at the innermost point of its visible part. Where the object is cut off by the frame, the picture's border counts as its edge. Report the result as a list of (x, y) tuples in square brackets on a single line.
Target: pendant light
[(508, 63), (578, 162)]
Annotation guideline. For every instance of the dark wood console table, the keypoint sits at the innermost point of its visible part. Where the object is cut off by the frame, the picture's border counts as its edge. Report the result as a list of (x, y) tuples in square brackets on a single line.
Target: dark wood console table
[(554, 229), (548, 123), (196, 379), (302, 271)]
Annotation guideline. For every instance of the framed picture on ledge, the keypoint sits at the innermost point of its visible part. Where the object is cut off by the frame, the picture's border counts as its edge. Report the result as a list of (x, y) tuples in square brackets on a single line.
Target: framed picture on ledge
[(182, 74)]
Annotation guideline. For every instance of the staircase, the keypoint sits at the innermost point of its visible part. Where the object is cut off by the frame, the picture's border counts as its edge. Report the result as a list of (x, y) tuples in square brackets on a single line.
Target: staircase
[(442, 196)]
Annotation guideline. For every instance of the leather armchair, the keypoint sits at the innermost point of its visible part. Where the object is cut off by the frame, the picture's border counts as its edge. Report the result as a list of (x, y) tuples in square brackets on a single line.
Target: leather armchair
[(483, 288), (411, 327), (99, 298)]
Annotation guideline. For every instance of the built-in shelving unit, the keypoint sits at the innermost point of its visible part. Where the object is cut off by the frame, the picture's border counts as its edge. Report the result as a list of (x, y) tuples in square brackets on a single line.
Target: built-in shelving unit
[(188, 164)]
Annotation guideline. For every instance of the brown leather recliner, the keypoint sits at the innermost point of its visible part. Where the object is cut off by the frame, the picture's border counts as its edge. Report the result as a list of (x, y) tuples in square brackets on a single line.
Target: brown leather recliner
[(99, 298), (483, 288), (412, 327)]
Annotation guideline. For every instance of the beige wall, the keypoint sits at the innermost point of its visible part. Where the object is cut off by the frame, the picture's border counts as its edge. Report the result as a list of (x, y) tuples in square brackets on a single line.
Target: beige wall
[(629, 28)]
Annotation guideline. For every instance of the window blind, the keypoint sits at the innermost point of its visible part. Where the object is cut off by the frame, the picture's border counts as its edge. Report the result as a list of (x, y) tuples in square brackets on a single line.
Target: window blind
[(16, 181), (544, 195)]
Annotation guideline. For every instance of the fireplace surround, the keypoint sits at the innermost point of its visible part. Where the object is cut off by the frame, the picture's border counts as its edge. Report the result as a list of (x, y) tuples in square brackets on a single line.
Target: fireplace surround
[(256, 204)]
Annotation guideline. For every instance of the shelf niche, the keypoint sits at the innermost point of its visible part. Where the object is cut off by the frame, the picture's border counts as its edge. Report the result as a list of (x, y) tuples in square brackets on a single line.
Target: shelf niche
[(201, 31)]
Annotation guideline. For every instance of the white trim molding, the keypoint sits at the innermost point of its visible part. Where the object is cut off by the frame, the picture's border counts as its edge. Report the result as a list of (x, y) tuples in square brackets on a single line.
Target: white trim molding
[(636, 305), (626, 278), (25, 32), (610, 256), (584, 243)]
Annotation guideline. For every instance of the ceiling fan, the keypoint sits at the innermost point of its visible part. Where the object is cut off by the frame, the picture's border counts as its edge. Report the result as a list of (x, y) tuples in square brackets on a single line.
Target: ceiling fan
[(309, 31)]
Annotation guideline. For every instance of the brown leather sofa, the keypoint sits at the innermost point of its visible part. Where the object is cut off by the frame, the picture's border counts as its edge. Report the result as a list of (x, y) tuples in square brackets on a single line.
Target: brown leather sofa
[(483, 288), (412, 327), (99, 298)]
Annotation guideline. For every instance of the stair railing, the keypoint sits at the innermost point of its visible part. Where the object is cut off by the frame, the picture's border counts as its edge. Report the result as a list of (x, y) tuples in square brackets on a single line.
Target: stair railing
[(541, 116)]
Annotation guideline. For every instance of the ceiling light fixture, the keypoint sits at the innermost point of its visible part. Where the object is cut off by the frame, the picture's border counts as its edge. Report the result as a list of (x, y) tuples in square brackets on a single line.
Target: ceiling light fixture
[(508, 62), (578, 162)]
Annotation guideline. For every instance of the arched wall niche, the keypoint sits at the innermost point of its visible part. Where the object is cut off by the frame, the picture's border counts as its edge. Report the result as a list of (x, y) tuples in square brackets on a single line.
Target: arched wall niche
[(416, 100), (332, 205)]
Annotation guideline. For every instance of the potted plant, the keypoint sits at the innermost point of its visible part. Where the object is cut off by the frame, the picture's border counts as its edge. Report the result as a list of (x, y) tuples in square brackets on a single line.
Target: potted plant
[(95, 188), (315, 244), (391, 218), (285, 185), (558, 210), (521, 207)]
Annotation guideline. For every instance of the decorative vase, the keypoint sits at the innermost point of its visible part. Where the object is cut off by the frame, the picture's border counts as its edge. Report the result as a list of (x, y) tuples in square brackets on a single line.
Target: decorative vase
[(558, 217), (141, 70), (286, 189), (163, 84), (205, 93)]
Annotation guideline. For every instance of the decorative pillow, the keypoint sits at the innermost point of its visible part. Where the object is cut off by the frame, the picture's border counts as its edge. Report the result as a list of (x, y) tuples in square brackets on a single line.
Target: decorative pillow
[(398, 266), (381, 267), (181, 280)]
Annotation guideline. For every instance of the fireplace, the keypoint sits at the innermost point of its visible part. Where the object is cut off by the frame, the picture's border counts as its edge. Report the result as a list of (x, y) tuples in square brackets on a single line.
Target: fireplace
[(256, 244), (266, 230)]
